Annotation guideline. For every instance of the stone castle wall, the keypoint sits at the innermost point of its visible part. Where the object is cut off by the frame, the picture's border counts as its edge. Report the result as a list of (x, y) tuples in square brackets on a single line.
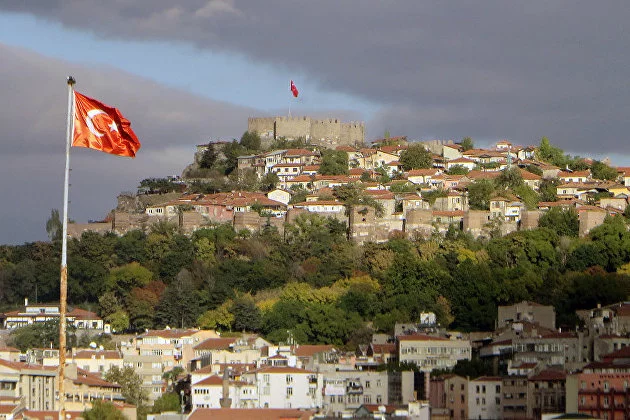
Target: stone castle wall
[(321, 132)]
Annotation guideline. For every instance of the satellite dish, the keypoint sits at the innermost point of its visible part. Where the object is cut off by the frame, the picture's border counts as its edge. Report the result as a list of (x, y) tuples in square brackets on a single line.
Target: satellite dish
[(382, 409), (93, 345), (100, 348)]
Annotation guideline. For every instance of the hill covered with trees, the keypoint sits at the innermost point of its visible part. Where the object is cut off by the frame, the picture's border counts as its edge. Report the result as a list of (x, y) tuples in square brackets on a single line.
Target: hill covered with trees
[(314, 284)]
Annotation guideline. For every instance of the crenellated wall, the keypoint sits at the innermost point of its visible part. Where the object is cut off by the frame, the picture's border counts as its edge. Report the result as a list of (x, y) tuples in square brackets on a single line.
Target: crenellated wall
[(321, 132)]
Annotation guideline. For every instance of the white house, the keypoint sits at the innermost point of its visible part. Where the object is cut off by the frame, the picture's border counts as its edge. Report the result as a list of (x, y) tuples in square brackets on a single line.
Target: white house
[(207, 393)]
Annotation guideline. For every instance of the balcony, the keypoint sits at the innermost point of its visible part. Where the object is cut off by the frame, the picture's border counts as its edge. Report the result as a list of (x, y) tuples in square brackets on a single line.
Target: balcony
[(354, 389)]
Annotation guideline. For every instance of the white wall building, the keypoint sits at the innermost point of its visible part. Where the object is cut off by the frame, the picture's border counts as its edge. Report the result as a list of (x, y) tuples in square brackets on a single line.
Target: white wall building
[(286, 387)]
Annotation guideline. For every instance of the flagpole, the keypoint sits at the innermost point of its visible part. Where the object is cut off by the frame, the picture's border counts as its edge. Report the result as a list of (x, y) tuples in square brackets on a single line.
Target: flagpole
[(63, 282)]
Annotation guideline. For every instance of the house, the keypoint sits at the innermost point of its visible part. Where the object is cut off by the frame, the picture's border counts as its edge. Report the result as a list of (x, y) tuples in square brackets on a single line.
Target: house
[(530, 179), (623, 175), (174, 347), (279, 195), (462, 161), (323, 207), (574, 176), (484, 397), (431, 352), (451, 151), (97, 361), (79, 318), (287, 171), (421, 176), (506, 207)]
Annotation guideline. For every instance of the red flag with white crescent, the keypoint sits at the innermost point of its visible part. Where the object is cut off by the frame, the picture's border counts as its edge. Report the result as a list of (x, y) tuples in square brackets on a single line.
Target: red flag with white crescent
[(102, 127)]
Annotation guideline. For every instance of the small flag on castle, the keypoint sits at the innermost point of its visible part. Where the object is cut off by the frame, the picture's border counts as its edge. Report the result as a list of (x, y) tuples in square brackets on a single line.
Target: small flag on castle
[(294, 89)]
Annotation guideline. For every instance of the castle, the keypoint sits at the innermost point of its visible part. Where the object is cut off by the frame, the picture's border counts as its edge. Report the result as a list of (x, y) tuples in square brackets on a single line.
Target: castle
[(326, 133)]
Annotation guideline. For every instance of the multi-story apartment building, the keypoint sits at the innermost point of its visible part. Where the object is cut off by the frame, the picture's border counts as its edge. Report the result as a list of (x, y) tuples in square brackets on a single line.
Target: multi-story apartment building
[(430, 352), (150, 369), (174, 347), (543, 315), (208, 392), (450, 392), (346, 390), (514, 397), (34, 385), (286, 387), (546, 392), (484, 397)]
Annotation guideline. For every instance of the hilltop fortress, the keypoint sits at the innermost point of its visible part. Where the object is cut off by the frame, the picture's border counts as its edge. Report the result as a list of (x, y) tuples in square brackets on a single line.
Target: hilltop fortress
[(328, 133)]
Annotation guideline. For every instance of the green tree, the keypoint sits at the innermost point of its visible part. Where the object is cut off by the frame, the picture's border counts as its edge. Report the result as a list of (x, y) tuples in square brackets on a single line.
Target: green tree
[(467, 144), (209, 157), (122, 279), (563, 222), (41, 335), (130, 382), (416, 157), (510, 178), (169, 401), (247, 316), (179, 305), (458, 170), (269, 181), (548, 190), (479, 193), (602, 171), (103, 410), (549, 153), (250, 141), (334, 162)]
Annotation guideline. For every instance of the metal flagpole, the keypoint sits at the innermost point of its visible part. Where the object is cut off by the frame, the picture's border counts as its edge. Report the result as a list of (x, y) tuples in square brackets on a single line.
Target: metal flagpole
[(63, 282)]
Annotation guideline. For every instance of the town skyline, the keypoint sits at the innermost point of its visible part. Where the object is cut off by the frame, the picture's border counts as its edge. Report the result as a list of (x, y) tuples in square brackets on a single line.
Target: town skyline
[(485, 71)]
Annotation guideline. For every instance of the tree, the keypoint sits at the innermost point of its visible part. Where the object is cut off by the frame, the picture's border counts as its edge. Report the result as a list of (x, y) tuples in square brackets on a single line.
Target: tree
[(130, 382), (549, 153), (269, 181), (217, 319), (122, 279), (334, 162), (458, 170), (467, 144), (563, 222), (54, 225), (510, 178), (416, 157), (250, 141), (103, 410), (209, 157), (602, 171), (169, 401), (41, 335), (247, 316), (479, 193)]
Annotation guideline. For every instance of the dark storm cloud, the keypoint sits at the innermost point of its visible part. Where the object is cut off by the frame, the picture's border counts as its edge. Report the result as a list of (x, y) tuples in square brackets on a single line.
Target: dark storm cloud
[(33, 120), (514, 69)]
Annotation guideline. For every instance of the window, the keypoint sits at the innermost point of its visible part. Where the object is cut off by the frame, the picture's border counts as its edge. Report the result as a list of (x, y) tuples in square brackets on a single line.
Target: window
[(289, 392), (367, 384), (367, 399), (498, 389)]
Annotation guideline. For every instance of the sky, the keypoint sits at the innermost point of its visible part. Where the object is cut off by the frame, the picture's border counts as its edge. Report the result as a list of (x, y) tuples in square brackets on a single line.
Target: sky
[(188, 72)]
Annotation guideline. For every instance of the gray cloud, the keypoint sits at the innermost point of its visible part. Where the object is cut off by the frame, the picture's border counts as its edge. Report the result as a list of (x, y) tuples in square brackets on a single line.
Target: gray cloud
[(522, 69), (168, 122)]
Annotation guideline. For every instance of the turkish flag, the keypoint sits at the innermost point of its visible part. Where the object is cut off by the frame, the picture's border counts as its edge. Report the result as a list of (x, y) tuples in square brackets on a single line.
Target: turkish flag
[(101, 127), (294, 89)]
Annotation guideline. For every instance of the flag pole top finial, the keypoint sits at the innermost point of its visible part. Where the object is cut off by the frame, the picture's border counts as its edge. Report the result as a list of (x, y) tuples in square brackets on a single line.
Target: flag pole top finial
[(71, 80)]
